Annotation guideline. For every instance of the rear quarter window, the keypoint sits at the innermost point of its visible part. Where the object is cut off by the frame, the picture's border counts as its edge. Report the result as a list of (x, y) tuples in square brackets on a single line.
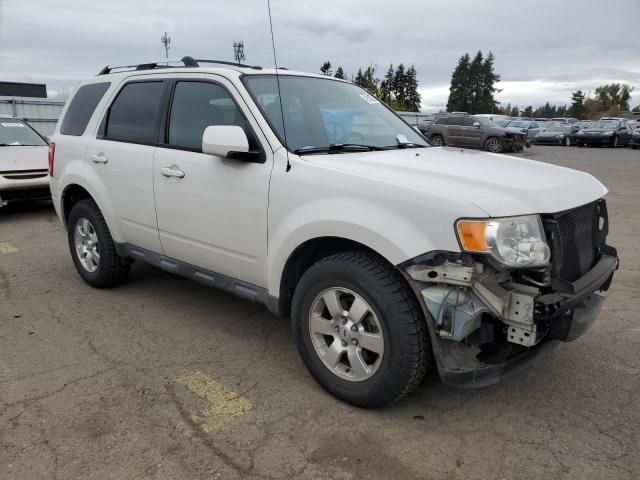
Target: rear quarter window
[(81, 108)]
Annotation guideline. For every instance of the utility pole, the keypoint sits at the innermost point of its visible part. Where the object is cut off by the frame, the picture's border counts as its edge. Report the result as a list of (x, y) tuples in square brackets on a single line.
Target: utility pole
[(166, 41), (238, 51)]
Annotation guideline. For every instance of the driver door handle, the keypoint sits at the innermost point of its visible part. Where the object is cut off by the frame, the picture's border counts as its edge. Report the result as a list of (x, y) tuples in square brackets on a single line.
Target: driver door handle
[(99, 158), (173, 171)]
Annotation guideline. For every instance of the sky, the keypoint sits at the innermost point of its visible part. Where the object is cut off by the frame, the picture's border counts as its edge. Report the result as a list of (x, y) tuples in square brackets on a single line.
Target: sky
[(544, 49)]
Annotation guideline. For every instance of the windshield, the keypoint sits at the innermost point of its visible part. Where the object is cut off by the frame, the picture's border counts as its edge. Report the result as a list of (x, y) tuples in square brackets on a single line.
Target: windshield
[(611, 124), (15, 132), (518, 124), (485, 122), (558, 128), (319, 113)]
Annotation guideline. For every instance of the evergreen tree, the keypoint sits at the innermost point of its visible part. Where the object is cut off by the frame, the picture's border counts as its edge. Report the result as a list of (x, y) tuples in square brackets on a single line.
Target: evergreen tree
[(459, 97), (577, 104), (359, 78), (515, 112), (413, 98), (472, 86), (325, 69), (486, 102), (386, 86), (340, 73), (399, 88), (528, 112)]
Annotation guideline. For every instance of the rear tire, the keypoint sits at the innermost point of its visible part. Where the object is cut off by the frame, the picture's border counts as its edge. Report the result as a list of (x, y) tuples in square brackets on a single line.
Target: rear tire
[(336, 343), (92, 248)]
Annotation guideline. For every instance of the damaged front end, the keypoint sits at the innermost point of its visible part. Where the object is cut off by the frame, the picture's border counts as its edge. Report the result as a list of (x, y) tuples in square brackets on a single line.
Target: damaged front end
[(520, 285)]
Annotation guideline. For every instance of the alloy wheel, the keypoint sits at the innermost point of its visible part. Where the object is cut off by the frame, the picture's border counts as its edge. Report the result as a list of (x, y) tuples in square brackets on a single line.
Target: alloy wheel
[(85, 240), (346, 334), (495, 146)]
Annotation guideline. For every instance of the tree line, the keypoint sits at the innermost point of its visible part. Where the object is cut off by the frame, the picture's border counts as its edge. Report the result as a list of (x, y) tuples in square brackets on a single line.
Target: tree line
[(473, 85), (398, 88), (610, 99)]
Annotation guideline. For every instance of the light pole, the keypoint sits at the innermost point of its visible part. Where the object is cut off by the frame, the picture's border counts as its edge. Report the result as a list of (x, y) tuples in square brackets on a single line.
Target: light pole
[(166, 41), (238, 51)]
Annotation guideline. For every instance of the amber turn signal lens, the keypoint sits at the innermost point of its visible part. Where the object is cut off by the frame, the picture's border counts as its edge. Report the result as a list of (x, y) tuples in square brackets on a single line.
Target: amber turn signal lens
[(472, 235)]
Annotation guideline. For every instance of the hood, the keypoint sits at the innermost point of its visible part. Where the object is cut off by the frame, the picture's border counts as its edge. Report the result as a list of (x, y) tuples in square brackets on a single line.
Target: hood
[(498, 184), (24, 157), (518, 130)]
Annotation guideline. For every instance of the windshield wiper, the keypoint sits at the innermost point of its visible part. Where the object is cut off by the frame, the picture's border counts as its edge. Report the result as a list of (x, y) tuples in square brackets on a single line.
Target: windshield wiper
[(338, 148)]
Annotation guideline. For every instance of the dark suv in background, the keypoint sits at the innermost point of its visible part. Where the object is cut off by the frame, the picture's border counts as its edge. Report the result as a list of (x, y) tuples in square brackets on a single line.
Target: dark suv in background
[(473, 132)]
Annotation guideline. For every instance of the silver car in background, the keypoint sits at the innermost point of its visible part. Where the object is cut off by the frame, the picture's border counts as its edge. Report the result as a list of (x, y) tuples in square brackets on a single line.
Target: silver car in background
[(24, 170)]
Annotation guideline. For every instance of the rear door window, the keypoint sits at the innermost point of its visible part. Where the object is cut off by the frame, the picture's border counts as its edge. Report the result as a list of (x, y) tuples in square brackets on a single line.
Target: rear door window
[(135, 113), (468, 121), (81, 108)]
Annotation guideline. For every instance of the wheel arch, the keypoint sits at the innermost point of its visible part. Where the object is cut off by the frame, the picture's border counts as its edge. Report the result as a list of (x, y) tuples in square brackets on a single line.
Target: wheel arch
[(308, 253), (75, 191)]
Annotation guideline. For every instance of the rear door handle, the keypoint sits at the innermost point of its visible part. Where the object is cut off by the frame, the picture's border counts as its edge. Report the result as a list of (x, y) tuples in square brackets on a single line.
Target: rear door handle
[(99, 158), (173, 171)]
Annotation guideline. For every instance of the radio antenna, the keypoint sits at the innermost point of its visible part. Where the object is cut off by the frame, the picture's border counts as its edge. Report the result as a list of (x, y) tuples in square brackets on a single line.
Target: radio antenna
[(275, 61)]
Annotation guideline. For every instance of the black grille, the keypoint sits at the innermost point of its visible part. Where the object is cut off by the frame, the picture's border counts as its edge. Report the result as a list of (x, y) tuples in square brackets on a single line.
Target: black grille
[(575, 239)]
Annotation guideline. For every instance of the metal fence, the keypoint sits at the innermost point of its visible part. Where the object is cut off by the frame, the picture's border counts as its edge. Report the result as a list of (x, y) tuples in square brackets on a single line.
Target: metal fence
[(41, 113)]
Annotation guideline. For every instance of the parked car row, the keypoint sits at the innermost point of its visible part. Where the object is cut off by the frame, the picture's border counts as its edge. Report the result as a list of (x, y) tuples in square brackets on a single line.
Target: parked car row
[(499, 133)]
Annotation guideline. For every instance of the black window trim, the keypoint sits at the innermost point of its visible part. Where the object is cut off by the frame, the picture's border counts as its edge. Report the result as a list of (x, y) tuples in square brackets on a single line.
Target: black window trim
[(102, 130), (163, 137)]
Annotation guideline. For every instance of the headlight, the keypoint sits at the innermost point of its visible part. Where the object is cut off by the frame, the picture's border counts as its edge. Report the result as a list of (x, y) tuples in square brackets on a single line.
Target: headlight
[(560, 136), (514, 241), (580, 132), (609, 132)]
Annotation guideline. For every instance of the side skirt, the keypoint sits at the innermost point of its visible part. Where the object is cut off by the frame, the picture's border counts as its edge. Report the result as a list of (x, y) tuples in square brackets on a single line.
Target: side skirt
[(239, 288)]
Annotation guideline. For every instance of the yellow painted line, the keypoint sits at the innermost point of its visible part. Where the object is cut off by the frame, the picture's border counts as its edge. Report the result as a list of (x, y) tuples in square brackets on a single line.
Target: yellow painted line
[(7, 248), (224, 404)]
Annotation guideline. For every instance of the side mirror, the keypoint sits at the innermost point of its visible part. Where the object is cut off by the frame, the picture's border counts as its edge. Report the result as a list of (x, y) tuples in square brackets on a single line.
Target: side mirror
[(224, 141), (476, 124)]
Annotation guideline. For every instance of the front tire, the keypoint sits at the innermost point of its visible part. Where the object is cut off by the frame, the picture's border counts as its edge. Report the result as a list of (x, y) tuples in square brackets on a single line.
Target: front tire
[(615, 142), (437, 141), (567, 142), (359, 329), (494, 145), (92, 248)]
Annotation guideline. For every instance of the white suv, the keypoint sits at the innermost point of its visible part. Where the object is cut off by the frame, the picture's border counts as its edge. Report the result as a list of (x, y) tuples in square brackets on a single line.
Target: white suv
[(308, 195)]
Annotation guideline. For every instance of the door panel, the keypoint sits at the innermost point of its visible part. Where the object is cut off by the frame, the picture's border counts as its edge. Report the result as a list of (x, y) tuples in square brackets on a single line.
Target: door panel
[(126, 176), (122, 158), (215, 216)]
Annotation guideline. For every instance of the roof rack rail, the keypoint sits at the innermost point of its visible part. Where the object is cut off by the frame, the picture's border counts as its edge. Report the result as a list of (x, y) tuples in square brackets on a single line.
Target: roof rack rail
[(165, 63)]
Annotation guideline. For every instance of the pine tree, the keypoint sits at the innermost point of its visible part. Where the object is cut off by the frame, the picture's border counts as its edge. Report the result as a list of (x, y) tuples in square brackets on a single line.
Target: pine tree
[(528, 112), (340, 73), (486, 102), (413, 98), (459, 96), (399, 88), (325, 69), (359, 78), (386, 86), (476, 83)]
